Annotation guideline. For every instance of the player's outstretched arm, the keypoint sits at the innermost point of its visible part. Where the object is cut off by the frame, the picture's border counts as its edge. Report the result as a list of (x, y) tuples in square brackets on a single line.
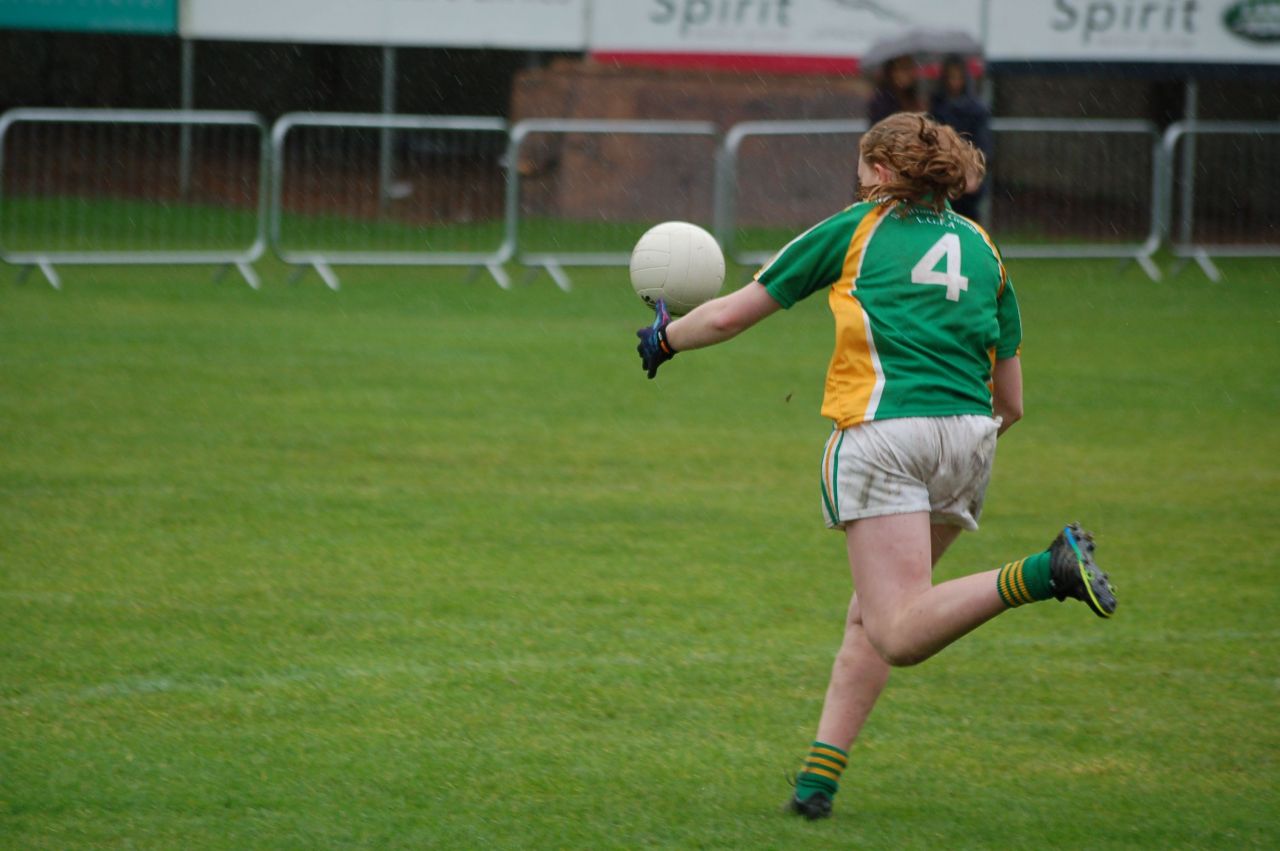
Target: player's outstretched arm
[(706, 325), (1006, 391), (722, 318)]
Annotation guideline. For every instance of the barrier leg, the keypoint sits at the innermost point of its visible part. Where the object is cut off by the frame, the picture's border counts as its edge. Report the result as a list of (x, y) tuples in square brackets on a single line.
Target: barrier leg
[(1206, 265), (299, 272), (249, 275), (326, 274), (499, 275), (1149, 266), (50, 274), (557, 273)]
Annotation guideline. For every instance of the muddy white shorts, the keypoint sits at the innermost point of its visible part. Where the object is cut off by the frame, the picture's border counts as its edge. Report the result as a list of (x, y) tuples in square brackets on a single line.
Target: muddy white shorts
[(936, 464)]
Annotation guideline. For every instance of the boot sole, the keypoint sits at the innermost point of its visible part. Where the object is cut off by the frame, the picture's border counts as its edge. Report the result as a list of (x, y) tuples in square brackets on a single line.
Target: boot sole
[(1099, 595)]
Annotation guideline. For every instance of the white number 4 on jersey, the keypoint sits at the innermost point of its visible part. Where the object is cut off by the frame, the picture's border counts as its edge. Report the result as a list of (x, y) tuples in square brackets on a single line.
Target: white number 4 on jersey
[(926, 271)]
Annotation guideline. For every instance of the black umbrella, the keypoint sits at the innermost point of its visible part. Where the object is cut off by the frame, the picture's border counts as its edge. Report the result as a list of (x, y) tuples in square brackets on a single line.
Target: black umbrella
[(917, 41)]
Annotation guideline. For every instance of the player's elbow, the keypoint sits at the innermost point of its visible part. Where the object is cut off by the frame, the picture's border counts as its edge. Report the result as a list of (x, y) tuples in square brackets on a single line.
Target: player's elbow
[(728, 322), (1009, 411), (1006, 391)]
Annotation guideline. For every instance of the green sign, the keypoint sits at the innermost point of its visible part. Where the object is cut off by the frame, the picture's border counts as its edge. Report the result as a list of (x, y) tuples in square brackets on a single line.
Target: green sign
[(119, 16), (1255, 20)]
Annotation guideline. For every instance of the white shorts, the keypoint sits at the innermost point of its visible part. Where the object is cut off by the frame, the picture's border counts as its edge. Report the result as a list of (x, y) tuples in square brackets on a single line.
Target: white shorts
[(936, 464)]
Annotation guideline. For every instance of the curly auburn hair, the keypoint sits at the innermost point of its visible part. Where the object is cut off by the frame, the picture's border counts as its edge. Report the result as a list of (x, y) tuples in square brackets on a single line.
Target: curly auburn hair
[(930, 161)]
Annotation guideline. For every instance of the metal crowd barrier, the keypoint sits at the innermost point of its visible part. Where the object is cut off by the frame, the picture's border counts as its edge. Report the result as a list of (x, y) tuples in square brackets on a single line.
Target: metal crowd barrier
[(777, 178), (156, 186), (1228, 212), (110, 186), (1076, 188), (584, 191), (390, 190), (1056, 188)]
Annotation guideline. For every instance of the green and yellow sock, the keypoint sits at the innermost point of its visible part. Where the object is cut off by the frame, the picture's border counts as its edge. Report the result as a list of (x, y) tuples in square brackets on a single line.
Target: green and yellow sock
[(822, 770), (1025, 580)]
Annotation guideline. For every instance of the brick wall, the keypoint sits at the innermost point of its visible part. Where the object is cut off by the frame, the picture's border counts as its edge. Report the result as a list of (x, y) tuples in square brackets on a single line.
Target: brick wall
[(637, 178)]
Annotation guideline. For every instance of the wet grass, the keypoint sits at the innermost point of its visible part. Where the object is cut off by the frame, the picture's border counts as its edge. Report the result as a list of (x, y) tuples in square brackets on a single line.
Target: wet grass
[(424, 563), (82, 224)]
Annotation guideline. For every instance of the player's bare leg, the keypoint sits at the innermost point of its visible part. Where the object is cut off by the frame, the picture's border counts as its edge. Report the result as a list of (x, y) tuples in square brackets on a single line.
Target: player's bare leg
[(899, 617), (907, 618), (858, 676), (860, 672)]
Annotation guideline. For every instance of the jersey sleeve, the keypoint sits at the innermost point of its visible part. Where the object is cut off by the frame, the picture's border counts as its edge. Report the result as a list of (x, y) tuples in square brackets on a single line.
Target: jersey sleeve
[(1009, 343), (812, 261)]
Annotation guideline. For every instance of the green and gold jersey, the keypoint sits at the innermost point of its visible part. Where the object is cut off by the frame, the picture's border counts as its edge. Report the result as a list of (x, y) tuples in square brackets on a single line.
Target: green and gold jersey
[(923, 309)]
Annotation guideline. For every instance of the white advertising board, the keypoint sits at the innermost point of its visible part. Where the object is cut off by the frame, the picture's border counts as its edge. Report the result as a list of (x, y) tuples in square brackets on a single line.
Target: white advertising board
[(1169, 31), (806, 34), (522, 24)]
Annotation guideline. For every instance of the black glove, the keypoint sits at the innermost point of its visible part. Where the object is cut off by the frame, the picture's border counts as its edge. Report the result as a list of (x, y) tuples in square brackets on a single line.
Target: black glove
[(654, 349)]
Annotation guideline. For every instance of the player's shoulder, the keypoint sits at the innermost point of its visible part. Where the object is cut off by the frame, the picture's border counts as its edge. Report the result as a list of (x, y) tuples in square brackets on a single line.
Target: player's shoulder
[(975, 236), (838, 227), (833, 233), (843, 224), (850, 216), (970, 228), (877, 209)]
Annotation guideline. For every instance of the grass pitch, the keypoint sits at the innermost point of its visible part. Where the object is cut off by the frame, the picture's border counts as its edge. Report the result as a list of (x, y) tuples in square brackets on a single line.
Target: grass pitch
[(427, 564)]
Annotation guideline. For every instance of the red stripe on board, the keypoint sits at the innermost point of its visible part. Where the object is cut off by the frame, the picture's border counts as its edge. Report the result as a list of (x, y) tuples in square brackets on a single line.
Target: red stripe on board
[(844, 65), (774, 64)]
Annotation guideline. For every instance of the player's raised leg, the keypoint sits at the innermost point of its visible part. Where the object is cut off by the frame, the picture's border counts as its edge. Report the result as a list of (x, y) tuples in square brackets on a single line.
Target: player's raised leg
[(906, 616), (908, 621)]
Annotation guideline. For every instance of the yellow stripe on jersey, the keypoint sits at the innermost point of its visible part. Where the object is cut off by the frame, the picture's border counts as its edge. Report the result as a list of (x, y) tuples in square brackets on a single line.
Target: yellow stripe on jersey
[(854, 378), (858, 245), (995, 252), (1004, 278)]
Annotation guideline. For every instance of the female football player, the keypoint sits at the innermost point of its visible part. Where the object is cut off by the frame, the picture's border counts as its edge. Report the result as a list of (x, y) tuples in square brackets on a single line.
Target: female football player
[(924, 377)]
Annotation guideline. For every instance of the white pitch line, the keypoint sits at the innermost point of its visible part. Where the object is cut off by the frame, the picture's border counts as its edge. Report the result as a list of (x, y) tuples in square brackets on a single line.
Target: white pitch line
[(132, 687), (324, 677)]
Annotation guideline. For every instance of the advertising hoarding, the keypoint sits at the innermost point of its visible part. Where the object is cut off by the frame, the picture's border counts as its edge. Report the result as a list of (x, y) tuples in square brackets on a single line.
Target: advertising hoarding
[(116, 16), (781, 35), (1159, 31), (520, 24)]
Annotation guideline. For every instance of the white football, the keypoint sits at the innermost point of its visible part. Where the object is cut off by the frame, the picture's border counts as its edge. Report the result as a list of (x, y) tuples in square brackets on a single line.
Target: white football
[(678, 262)]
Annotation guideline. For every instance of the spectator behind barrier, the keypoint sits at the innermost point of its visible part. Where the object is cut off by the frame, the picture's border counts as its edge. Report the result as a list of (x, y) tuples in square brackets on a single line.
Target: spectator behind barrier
[(955, 105), (895, 90)]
